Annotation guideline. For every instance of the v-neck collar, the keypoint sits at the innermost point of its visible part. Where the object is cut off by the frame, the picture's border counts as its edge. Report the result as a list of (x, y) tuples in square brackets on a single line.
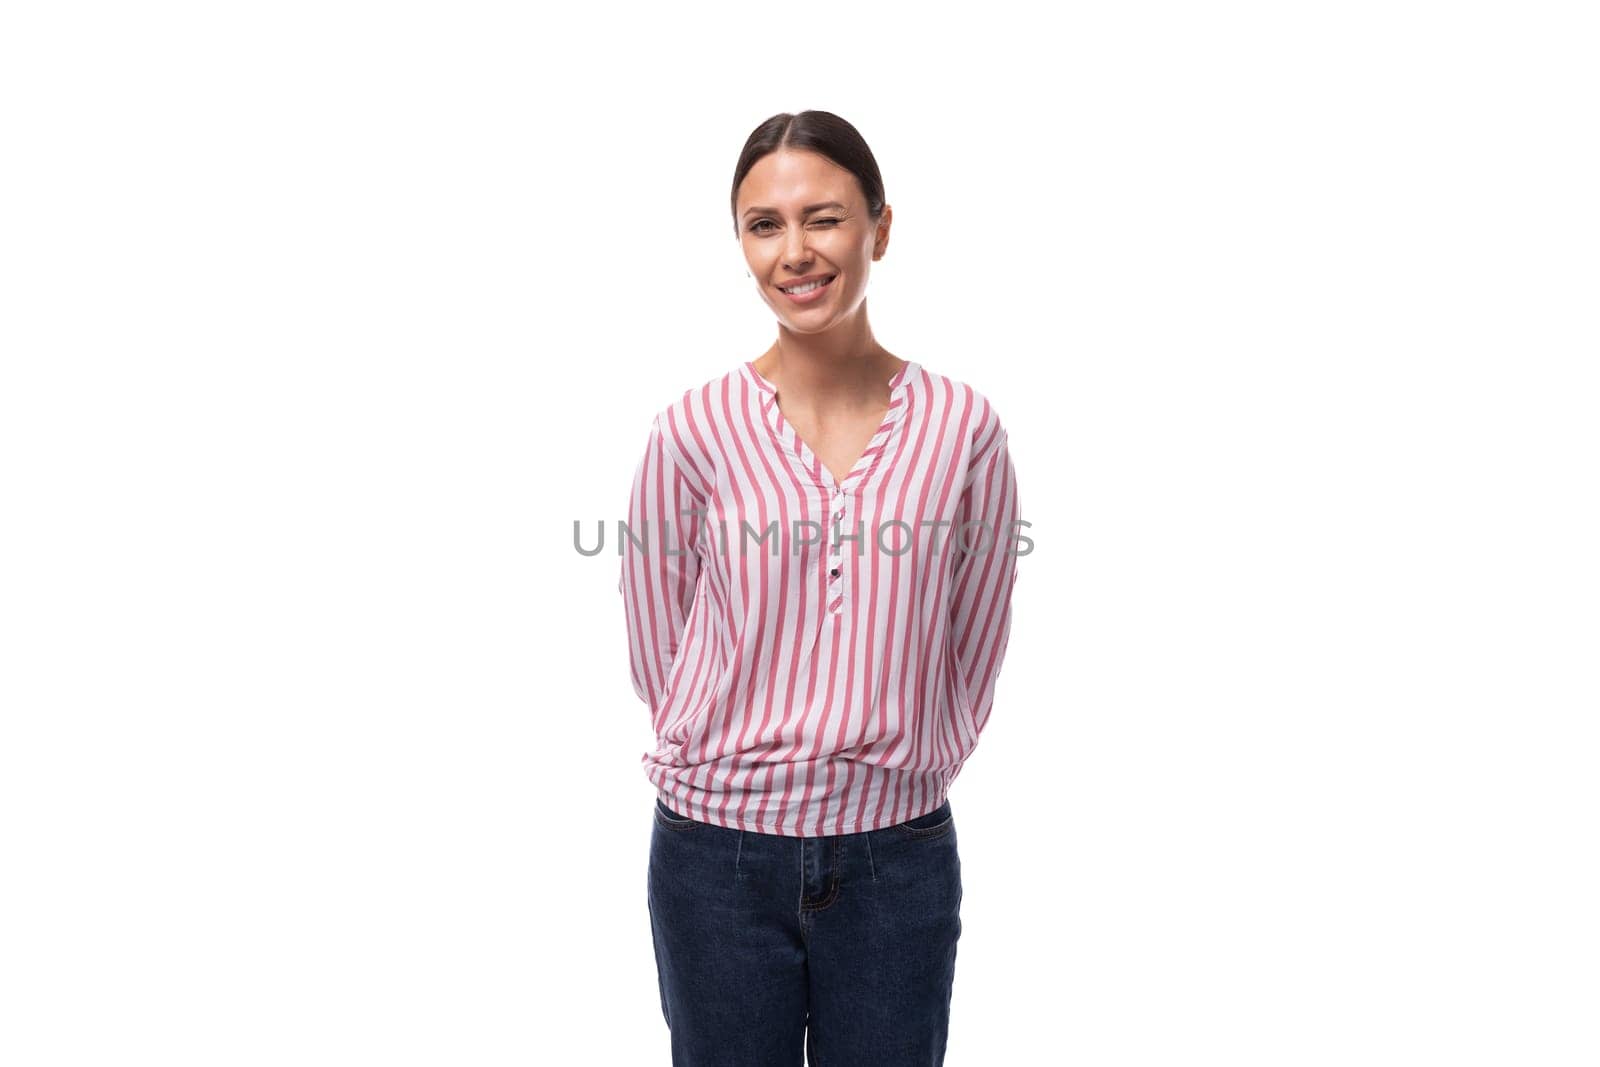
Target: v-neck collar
[(804, 461)]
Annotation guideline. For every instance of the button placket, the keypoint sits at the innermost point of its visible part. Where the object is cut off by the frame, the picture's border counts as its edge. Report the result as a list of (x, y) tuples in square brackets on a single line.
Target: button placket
[(835, 566)]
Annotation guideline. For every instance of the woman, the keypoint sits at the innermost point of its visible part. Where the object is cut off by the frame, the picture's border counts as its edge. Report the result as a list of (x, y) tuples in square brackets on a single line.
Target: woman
[(812, 704)]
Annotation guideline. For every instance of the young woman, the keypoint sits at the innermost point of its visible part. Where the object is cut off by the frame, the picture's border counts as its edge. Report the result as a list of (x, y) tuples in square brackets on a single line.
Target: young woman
[(817, 583)]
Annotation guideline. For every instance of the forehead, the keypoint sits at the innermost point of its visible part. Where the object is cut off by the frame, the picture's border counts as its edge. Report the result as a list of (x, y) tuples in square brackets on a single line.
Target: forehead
[(789, 178)]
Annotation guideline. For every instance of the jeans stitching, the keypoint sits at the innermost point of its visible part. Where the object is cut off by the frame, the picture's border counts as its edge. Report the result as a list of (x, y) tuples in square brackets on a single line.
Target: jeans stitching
[(926, 831), (672, 823)]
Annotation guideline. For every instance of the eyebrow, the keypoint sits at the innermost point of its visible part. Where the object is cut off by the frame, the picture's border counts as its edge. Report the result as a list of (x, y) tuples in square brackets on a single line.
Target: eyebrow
[(808, 209)]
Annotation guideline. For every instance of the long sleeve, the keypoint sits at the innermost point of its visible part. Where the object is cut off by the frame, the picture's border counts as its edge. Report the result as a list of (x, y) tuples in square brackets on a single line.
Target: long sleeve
[(660, 574), (800, 685), (980, 599)]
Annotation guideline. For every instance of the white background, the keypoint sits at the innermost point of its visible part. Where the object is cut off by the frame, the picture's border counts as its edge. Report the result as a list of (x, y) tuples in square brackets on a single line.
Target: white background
[(323, 323)]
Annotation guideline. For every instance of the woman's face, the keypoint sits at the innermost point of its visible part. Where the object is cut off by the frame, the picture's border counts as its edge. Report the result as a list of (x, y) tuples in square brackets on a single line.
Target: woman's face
[(783, 242)]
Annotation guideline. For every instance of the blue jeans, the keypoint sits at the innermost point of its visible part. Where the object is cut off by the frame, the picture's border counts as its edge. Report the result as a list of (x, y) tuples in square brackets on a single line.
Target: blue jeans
[(841, 948)]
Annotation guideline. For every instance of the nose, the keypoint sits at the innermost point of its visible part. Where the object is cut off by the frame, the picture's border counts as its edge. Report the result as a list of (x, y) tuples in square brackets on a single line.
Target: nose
[(795, 254)]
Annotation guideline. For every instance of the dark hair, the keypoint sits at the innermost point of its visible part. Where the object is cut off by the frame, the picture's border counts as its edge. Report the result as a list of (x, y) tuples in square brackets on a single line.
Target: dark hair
[(822, 132)]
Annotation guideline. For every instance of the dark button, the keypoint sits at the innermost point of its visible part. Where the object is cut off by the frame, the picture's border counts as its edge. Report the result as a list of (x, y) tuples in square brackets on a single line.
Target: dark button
[(834, 572)]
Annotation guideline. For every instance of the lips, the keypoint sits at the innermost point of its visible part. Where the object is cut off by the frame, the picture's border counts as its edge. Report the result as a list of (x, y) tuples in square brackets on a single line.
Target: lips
[(813, 295), (824, 278)]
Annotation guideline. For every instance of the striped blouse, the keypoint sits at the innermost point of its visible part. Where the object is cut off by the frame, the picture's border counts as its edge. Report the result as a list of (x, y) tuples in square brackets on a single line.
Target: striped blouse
[(819, 656)]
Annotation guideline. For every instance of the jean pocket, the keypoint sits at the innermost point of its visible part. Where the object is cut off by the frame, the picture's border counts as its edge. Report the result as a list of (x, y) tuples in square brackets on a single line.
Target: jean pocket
[(665, 816), (929, 824)]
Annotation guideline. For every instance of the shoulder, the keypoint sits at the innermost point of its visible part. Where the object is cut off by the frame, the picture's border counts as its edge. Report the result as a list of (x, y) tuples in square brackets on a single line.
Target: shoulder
[(686, 419), (685, 423), (964, 408)]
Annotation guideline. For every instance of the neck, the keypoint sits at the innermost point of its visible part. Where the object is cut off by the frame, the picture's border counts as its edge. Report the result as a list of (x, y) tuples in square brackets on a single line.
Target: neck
[(842, 365)]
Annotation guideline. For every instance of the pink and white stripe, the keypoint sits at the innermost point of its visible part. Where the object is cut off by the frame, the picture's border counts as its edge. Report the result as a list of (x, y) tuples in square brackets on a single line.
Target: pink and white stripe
[(785, 699)]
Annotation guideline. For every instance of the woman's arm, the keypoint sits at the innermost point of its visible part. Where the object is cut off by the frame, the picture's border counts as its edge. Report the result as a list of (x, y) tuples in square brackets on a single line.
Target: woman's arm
[(980, 599), (658, 580)]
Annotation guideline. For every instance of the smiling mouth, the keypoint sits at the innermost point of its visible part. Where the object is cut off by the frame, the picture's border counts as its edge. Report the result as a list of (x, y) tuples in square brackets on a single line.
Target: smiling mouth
[(809, 288)]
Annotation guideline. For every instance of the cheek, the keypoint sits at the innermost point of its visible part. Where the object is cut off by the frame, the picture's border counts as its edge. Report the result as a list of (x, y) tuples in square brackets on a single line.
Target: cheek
[(854, 280)]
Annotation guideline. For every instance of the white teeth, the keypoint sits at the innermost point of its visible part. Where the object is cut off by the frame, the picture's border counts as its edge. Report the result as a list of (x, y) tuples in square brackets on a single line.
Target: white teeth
[(807, 287)]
